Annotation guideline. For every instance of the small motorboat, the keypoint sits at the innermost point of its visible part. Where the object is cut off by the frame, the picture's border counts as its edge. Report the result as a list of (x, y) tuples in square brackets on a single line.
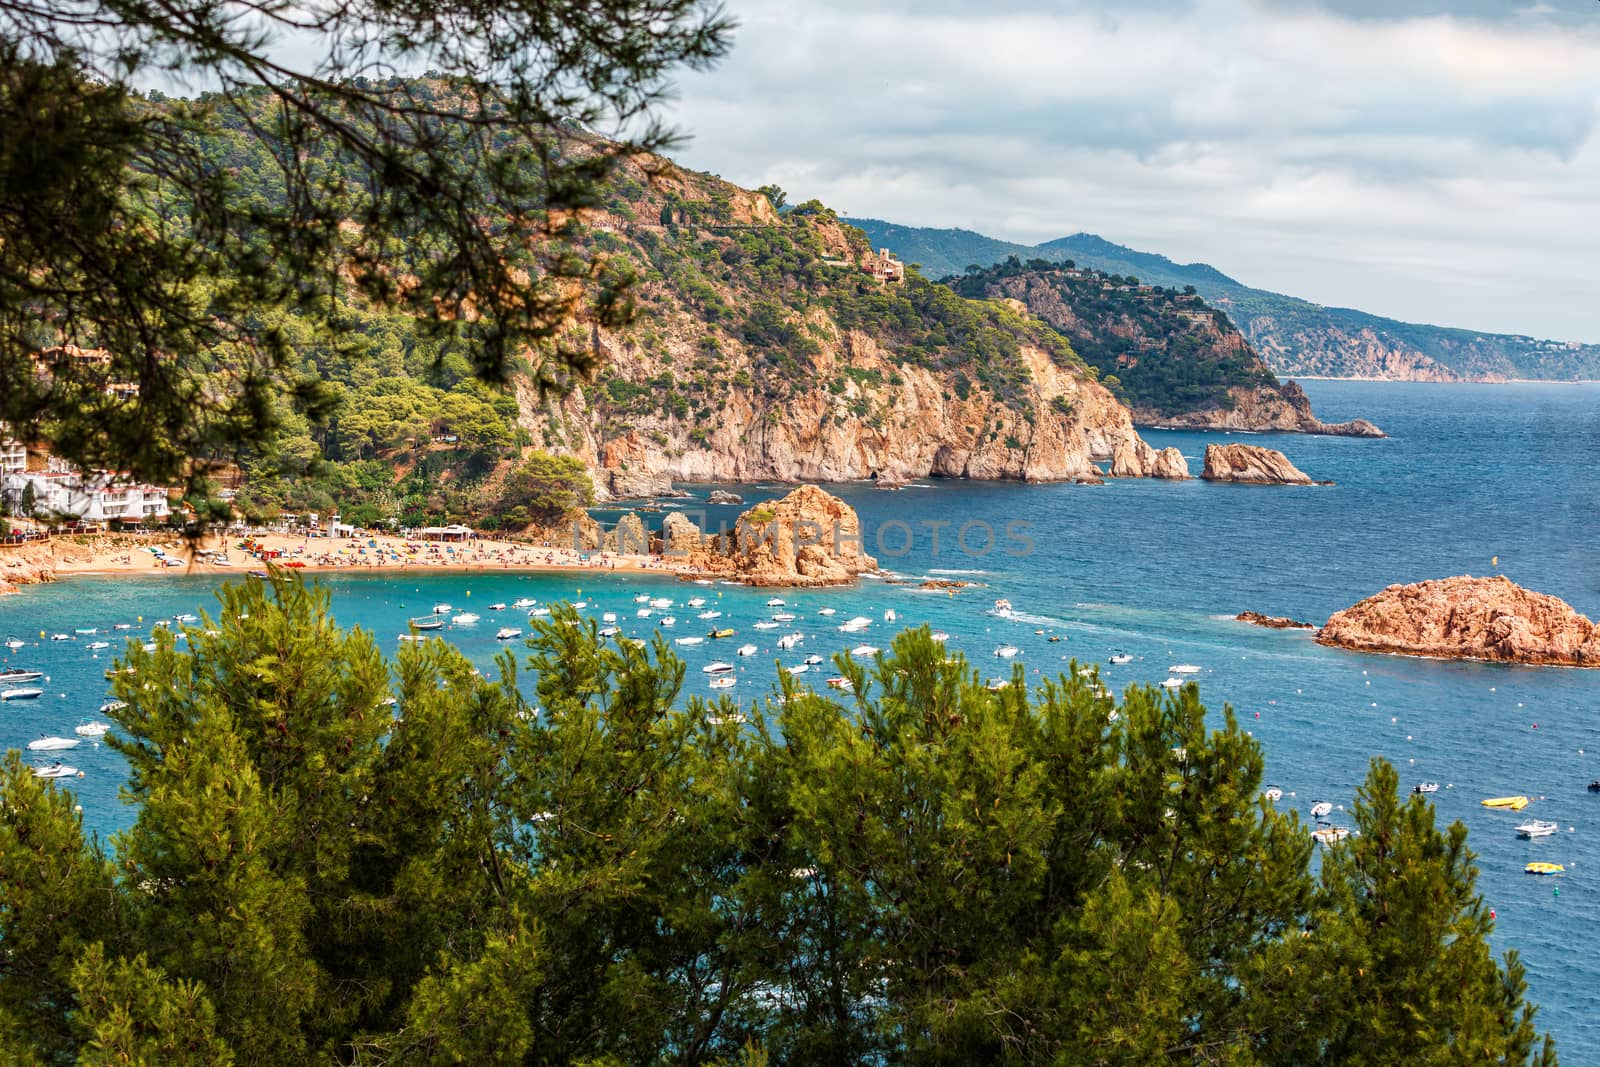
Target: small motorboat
[(717, 667), (766, 624), (709, 615), (1006, 651), (994, 685), (774, 602), (1120, 658), (940, 636), (1537, 828), (186, 618), (428, 622), (799, 668), (813, 659), (889, 615), (696, 602), (61, 637), (1327, 833), (111, 706), (689, 640), (441, 608), (16, 675), (609, 631), (1425, 787), (661, 603), (860, 622), (25, 692), (96, 646), (842, 684), (1172, 683), (1272, 793), (56, 770), (864, 650), (1321, 808), (541, 613), (122, 626), (642, 613), (746, 650), (524, 603), (1541, 867), (719, 634), (641, 598), (580, 604), (497, 606), (14, 643), (1516, 803), (86, 631), (1002, 607), (783, 616), (466, 618), (788, 641), (1183, 668), (52, 744), (91, 729), (1594, 786), (668, 620), (723, 682), (825, 611), (507, 633), (410, 637), (608, 616)]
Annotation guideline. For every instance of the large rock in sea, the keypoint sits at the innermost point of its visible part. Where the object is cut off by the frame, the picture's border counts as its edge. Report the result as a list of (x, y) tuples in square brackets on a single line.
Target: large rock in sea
[(1133, 458), (1251, 464), (809, 537), (1467, 618)]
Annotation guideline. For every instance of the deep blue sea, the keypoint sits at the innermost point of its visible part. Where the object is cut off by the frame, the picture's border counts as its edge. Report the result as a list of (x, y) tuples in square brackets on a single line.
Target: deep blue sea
[(1156, 570)]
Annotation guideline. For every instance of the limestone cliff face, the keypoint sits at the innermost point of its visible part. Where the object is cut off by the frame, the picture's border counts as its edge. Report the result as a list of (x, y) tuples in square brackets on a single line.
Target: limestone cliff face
[(1467, 618), (772, 347), (1328, 350), (1284, 408), (1135, 459)]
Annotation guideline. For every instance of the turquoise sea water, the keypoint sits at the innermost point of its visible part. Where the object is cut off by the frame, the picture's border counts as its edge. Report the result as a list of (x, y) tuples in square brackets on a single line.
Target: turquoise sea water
[(1155, 570)]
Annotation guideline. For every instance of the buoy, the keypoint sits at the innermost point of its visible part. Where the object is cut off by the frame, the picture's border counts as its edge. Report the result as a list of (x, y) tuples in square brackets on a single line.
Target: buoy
[(78, 808), (1491, 913), (1258, 715)]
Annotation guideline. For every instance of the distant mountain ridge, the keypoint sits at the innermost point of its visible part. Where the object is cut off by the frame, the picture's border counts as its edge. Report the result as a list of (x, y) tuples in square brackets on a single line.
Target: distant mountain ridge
[(1294, 336)]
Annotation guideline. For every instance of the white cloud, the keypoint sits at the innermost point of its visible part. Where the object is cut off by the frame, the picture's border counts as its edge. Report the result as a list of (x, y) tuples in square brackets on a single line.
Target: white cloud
[(1419, 165)]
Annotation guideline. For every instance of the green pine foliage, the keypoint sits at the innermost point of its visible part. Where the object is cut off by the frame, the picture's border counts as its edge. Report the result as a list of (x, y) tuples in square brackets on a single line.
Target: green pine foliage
[(927, 872)]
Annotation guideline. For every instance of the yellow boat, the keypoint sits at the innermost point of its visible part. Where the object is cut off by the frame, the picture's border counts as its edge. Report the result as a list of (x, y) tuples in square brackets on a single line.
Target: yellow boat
[(720, 633), (1514, 803), (1540, 867)]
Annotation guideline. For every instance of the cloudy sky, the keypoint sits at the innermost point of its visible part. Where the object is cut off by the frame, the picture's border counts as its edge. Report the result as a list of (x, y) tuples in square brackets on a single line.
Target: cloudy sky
[(1432, 160)]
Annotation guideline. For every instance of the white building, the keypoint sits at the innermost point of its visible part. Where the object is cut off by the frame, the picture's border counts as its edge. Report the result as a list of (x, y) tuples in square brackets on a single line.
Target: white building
[(13, 457), (96, 498)]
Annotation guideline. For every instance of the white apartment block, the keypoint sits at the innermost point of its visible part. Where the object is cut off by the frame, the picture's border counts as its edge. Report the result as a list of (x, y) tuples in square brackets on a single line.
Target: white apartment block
[(95, 498)]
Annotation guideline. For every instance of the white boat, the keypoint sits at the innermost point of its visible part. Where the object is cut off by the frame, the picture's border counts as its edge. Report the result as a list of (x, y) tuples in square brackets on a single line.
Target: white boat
[(1172, 683), (441, 608), (825, 611), (609, 631), (608, 616), (91, 729), (16, 675), (14, 643), (55, 770), (26, 692), (580, 604), (524, 603), (890, 616), (798, 668), (96, 646), (507, 633), (466, 618), (497, 606), (122, 626), (723, 682), (813, 659), (696, 602), (1325, 834), (641, 598), (689, 640), (711, 614), (661, 602), (745, 650), (783, 616), (994, 685), (642, 613), (774, 602), (1002, 607), (112, 705), (86, 631), (428, 622), (864, 650), (1121, 658), (855, 625), (1321, 808), (790, 640), (1425, 787), (186, 618), (669, 620), (1007, 651), (410, 637), (717, 667), (61, 637), (150, 646), (766, 624), (539, 613), (1183, 668), (1537, 828), (52, 744), (842, 684), (1272, 793)]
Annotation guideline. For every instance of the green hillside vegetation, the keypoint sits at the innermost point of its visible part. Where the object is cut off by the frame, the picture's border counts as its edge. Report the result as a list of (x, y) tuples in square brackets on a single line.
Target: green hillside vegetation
[(1161, 349), (1295, 336), (927, 873)]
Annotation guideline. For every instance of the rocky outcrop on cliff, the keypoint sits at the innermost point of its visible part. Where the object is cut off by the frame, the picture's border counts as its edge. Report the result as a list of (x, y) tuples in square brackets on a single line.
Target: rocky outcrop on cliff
[(1251, 464), (27, 564), (1467, 618), (1135, 459), (1284, 407)]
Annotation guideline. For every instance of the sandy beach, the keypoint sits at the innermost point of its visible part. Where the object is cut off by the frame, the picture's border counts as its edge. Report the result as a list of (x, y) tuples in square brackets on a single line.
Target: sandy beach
[(374, 553)]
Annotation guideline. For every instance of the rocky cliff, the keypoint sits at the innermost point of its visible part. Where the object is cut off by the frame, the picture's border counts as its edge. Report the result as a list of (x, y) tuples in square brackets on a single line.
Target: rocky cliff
[(766, 348), (1178, 361), (807, 538), (1467, 618), (1251, 464)]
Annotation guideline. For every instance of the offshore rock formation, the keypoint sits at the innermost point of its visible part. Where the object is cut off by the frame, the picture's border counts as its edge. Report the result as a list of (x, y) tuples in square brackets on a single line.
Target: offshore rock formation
[(808, 538), (1467, 618), (1135, 459), (1251, 464), (1272, 622)]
